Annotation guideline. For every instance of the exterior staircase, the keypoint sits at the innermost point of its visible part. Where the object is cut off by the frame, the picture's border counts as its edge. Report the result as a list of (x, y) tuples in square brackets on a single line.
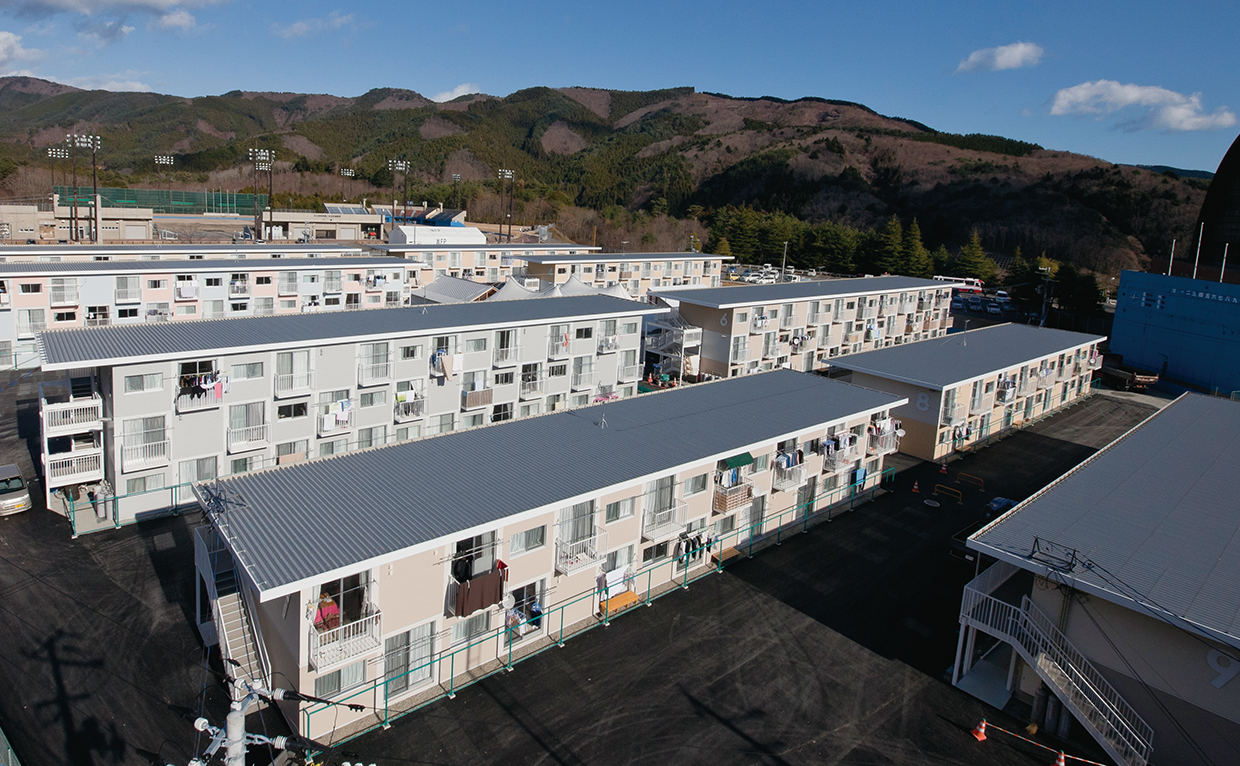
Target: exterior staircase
[(235, 628), (1109, 719)]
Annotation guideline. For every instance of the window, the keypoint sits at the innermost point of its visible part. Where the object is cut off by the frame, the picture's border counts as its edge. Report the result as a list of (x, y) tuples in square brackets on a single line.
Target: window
[(472, 421), (475, 344), (555, 402), (287, 304), (464, 630), (621, 509), (27, 288), (584, 333), (581, 400), (619, 559), (262, 280), (371, 437), (238, 306), (297, 448), (309, 279), (502, 412), (144, 483), (405, 433), (187, 311), (441, 424), (411, 352), (202, 469), (153, 381), (156, 284), (407, 658), (215, 282), (533, 408), (248, 371), (629, 328), (503, 378), (373, 399), (126, 313), (333, 447), (695, 484), (655, 553), (340, 680), (444, 344), (290, 411), (64, 316), (557, 370), (760, 463), (530, 539), (243, 464)]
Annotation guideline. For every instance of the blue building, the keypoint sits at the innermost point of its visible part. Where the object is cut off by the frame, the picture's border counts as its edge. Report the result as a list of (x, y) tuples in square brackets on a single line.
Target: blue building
[(1186, 329)]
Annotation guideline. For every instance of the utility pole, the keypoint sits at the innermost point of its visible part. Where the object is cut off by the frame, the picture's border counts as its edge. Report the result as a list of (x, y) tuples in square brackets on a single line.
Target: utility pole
[(1046, 293), (1171, 262), (93, 143), (1197, 258), (1224, 269), (783, 268)]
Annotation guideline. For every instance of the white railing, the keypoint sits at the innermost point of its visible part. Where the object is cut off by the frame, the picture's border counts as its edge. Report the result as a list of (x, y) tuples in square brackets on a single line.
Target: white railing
[(884, 444), (558, 349), (64, 417), (238, 289), (410, 409), (1047, 380), (185, 290), (203, 399), (333, 286), (248, 437), (372, 373), (75, 467), (663, 523), (609, 344), (818, 317), (841, 458), (338, 421), (758, 323), (1094, 363), (583, 379), (30, 328), (630, 372), (979, 406), (770, 349), (956, 417), (788, 478), (1005, 395), (135, 457), (128, 294), (530, 388), (64, 296), (1094, 702), (294, 383), (787, 322), (480, 398), (571, 557), (728, 499), (507, 356), (334, 646), (287, 287), (1025, 388)]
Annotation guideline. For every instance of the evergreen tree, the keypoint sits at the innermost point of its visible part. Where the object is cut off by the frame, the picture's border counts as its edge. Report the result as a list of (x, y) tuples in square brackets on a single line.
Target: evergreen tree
[(917, 262), (833, 248), (972, 260), (941, 260), (720, 247), (742, 233), (890, 256)]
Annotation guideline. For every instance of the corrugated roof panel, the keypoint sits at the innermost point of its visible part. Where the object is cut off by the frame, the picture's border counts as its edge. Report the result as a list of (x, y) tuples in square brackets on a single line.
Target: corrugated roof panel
[(757, 295), (18, 268)]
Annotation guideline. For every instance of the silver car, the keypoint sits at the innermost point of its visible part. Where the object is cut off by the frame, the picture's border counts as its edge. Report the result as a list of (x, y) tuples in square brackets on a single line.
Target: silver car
[(14, 493)]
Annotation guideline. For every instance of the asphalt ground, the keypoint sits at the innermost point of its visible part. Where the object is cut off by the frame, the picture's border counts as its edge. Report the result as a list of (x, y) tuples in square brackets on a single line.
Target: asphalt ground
[(827, 649)]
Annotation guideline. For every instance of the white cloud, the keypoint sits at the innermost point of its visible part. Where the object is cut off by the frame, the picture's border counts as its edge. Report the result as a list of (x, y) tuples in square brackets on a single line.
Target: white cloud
[(177, 19), (334, 21), (1165, 109), (106, 21), (113, 82), (11, 50), (463, 89), (1014, 56), (104, 32)]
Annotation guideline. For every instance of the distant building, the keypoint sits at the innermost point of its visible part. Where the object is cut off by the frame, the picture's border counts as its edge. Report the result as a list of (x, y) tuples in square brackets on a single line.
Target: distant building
[(637, 273), (49, 224), (436, 235), (1114, 605), (481, 262), (337, 221), (86, 252), (1220, 215), (1186, 329)]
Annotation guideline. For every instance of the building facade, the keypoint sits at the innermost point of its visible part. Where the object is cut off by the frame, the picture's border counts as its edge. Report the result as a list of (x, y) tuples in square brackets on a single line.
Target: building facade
[(54, 222), (431, 584), (1179, 327), (970, 386), (1111, 605), (40, 296), (150, 252), (801, 325), (638, 273), (479, 262), (147, 409)]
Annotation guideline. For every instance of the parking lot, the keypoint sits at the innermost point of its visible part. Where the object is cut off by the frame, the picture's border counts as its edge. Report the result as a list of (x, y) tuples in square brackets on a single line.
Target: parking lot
[(828, 648)]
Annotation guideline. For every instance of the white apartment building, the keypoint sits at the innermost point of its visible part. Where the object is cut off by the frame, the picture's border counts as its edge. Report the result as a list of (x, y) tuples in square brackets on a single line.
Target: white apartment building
[(1112, 605), (383, 576), (966, 387), (492, 263), (804, 326), (151, 252), (148, 408), (638, 273), (39, 296)]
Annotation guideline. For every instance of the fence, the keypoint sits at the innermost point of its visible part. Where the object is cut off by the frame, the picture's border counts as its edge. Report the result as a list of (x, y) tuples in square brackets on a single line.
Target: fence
[(649, 584), (164, 200)]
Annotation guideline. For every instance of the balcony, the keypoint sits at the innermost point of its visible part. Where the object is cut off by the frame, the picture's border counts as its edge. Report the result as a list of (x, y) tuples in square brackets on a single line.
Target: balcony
[(74, 467), (786, 479), (1046, 380), (1005, 395), (239, 288), (865, 312), (294, 384), (884, 444), (201, 399), (582, 380), (506, 357), (248, 438), (728, 499), (185, 290), (840, 459), (787, 322), (128, 294), (759, 324), (956, 416), (155, 315), (337, 645), (980, 406), (472, 400), (818, 317), (374, 373), (287, 287), (137, 457), (334, 421), (629, 372), (559, 348), (410, 409), (609, 344), (575, 556), (28, 329), (64, 296), (333, 286), (770, 350), (1094, 363), (75, 415), (531, 389), (665, 523), (1025, 387)]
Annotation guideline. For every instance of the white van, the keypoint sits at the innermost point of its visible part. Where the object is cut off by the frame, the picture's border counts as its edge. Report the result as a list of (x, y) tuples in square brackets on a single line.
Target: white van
[(14, 493)]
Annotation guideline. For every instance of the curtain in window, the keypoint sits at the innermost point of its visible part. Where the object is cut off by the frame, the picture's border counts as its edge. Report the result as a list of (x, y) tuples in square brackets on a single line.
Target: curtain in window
[(660, 493), (245, 415), (577, 522)]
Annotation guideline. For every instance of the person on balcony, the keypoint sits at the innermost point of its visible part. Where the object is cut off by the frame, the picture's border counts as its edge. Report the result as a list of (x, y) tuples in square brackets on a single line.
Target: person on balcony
[(327, 617)]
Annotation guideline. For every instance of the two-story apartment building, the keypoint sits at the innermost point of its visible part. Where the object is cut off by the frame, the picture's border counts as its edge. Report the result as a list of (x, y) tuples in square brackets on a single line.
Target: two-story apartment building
[(149, 407), (161, 252), (637, 273), (492, 263), (39, 296), (802, 325), (968, 386), (378, 576)]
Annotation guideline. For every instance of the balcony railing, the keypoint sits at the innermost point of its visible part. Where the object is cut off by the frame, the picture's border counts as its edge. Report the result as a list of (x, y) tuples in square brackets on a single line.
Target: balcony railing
[(336, 645), (71, 416), (64, 296), (1005, 395), (136, 457), (583, 379), (1094, 363), (664, 523), (559, 349), (759, 323), (287, 287), (884, 444), (506, 357), (630, 372), (728, 499), (1047, 380), (1026, 387), (770, 350), (818, 317), (333, 286), (374, 373), (75, 467), (238, 289), (30, 328), (185, 290), (294, 383), (202, 399), (128, 294), (531, 388), (410, 409), (788, 478), (979, 406), (471, 400), (957, 416), (574, 556), (609, 344), (840, 458), (334, 422), (248, 437), (787, 322)]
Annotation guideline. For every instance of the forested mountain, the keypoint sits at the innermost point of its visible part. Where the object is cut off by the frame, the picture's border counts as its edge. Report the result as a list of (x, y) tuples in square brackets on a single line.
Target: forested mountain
[(707, 156)]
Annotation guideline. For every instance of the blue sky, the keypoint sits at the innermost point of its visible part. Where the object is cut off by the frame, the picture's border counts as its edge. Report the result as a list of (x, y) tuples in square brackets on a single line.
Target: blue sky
[(1137, 82)]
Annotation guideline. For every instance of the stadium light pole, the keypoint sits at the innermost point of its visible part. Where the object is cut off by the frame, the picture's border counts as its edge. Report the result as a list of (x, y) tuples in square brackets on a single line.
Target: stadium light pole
[(56, 153), (262, 159), (505, 175), (456, 190), (93, 143), (401, 166), (348, 173), (71, 140)]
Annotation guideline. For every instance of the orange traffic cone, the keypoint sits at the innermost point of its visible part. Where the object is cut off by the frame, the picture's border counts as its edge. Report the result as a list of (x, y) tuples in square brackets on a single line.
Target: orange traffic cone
[(915, 490), (1059, 760), (942, 467), (979, 733)]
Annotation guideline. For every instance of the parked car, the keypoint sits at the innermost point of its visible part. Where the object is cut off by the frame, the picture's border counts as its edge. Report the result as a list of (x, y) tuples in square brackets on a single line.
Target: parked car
[(752, 278), (811, 272), (975, 304), (767, 279), (957, 304), (993, 308), (1001, 295), (14, 492)]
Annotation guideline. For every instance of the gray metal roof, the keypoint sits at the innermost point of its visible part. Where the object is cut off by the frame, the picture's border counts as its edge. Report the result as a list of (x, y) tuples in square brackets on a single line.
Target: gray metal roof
[(305, 520), (91, 346), (757, 295), (487, 246), (89, 250), (964, 356), (1154, 513), (630, 257), (184, 266), (448, 289)]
